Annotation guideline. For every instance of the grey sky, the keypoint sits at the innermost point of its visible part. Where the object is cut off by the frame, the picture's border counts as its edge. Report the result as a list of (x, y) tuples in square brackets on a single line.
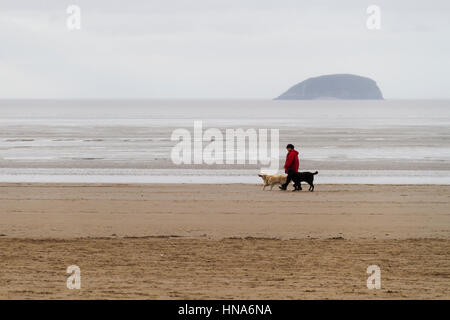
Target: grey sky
[(219, 49)]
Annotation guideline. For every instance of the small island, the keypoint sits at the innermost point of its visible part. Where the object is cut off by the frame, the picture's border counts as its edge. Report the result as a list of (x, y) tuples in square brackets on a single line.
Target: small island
[(334, 86)]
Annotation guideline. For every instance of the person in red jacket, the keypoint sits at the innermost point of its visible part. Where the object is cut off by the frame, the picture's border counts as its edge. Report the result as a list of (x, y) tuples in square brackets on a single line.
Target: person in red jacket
[(291, 165)]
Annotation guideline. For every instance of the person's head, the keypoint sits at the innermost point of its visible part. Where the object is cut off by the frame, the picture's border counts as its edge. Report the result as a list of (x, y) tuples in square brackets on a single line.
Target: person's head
[(289, 147)]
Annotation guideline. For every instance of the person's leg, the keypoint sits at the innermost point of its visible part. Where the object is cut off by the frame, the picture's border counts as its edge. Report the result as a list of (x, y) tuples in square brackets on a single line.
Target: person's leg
[(297, 181), (297, 185), (290, 173)]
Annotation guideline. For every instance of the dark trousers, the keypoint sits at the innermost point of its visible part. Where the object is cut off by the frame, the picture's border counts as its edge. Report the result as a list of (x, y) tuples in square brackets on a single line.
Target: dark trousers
[(290, 174)]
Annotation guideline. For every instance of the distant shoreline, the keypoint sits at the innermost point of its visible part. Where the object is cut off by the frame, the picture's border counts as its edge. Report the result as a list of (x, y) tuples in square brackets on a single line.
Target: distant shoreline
[(205, 176)]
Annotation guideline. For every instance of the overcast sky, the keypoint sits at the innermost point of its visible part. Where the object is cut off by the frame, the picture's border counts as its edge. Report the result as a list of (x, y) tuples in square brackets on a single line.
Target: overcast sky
[(219, 49)]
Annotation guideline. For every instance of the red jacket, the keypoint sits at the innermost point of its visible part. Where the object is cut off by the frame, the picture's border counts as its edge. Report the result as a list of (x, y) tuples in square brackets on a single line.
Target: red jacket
[(291, 161)]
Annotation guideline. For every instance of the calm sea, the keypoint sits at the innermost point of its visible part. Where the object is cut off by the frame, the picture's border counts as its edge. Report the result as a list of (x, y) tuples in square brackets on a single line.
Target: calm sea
[(126, 141)]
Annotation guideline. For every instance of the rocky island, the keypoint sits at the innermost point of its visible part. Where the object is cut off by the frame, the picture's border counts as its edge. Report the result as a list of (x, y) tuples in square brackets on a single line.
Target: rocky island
[(334, 86)]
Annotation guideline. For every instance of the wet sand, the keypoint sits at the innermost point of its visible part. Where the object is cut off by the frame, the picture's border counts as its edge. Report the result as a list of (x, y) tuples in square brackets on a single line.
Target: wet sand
[(224, 241), (221, 211)]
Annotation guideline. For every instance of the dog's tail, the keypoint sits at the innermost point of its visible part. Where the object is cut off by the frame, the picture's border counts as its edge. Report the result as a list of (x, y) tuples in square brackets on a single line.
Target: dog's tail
[(316, 172)]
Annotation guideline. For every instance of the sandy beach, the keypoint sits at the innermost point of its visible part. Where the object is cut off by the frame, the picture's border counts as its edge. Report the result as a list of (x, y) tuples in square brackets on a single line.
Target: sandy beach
[(224, 241)]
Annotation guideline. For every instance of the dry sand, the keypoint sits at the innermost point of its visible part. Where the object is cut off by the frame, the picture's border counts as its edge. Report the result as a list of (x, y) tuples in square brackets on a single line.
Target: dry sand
[(224, 241)]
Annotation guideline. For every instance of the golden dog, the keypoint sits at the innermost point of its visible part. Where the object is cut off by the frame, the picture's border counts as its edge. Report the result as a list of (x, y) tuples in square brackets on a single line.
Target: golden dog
[(272, 179)]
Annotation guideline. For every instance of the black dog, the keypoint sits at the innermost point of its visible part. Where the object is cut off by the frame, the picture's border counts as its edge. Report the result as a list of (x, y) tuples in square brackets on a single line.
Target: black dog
[(307, 177)]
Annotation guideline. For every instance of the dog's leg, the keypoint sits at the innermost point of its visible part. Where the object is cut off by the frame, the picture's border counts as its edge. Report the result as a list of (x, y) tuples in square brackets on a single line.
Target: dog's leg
[(311, 187), (264, 187), (271, 186)]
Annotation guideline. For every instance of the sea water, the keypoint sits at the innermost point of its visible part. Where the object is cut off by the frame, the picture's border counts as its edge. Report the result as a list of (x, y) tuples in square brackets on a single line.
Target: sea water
[(128, 141)]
